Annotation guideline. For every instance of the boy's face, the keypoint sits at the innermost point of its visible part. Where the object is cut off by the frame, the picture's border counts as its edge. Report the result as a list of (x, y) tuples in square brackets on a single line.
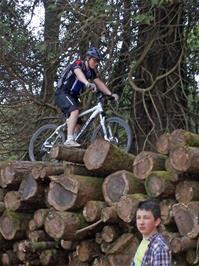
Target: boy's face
[(146, 223)]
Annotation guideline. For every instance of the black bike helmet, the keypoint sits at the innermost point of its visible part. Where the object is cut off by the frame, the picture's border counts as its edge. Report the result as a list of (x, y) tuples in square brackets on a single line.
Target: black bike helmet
[(94, 52)]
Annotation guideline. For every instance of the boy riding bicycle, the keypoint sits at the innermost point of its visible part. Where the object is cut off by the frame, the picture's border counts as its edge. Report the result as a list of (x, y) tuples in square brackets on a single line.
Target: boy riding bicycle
[(77, 76)]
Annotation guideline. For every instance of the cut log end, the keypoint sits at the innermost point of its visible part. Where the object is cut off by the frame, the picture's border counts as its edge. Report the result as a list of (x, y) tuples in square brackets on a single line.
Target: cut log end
[(180, 159)]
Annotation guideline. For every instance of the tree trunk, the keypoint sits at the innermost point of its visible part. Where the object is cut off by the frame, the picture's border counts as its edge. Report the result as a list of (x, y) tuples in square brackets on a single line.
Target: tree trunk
[(180, 137), (187, 191), (66, 154), (77, 169), (183, 218), (73, 191), (63, 225), (120, 183), (166, 211), (92, 210), (106, 158), (127, 206), (51, 170), (185, 159), (87, 250), (14, 225), (110, 233), (109, 214), (146, 162), (158, 183), (13, 172), (180, 244), (163, 144)]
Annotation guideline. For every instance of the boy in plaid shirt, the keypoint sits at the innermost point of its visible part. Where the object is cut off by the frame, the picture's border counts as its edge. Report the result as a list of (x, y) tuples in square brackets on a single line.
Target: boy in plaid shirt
[(153, 250)]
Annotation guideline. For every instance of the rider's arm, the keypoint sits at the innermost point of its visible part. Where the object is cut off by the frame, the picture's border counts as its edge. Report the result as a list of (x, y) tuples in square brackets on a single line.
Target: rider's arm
[(102, 87), (80, 75)]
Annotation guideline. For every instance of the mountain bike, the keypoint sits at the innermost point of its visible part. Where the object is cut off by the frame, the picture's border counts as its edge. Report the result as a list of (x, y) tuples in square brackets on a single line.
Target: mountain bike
[(112, 129)]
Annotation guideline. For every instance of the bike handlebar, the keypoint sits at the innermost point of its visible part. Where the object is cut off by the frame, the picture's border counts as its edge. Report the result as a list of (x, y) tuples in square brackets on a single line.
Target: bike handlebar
[(101, 96)]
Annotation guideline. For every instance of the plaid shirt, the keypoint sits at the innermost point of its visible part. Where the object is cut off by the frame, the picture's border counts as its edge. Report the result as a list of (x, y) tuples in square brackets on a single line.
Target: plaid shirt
[(158, 253)]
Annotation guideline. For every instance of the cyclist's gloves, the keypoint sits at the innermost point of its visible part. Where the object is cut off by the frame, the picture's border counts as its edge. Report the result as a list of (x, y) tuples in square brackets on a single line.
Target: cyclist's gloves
[(91, 86), (115, 96)]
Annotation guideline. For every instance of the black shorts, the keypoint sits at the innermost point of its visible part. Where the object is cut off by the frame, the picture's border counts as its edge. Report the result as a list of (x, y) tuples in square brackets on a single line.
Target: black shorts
[(66, 103)]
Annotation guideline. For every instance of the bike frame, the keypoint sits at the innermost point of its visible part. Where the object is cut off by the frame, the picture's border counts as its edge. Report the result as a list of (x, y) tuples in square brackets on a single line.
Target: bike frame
[(95, 110)]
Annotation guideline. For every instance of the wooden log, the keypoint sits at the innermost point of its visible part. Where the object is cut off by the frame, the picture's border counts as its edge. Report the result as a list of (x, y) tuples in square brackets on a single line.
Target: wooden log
[(73, 191), (127, 206), (12, 172), (192, 256), (74, 261), (185, 159), (187, 191), (78, 169), (63, 225), (2, 207), (9, 258), (146, 162), (183, 218), (193, 208), (176, 176), (39, 218), (13, 201), (92, 210), (109, 214), (53, 257), (36, 170), (120, 183), (38, 236), (67, 245), (110, 233), (159, 183), (166, 211), (180, 137), (14, 225), (106, 158), (180, 244), (162, 144), (126, 256), (87, 250), (98, 238), (179, 259), (67, 154), (51, 170), (29, 246)]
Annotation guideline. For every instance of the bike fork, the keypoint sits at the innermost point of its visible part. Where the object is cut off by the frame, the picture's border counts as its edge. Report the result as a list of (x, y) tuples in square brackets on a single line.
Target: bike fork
[(102, 122)]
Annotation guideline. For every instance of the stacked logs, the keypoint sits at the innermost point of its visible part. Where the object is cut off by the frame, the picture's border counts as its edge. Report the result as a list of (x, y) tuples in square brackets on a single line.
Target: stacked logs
[(80, 208)]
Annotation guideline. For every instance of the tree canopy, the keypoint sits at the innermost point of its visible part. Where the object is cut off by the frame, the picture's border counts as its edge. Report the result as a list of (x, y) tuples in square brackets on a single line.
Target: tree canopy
[(151, 61)]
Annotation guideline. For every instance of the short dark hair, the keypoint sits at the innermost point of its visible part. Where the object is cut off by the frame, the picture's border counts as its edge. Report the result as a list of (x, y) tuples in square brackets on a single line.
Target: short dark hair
[(150, 205)]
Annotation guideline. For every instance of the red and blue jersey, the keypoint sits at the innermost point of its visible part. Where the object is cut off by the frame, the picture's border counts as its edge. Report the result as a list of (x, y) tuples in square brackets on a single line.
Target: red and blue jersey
[(69, 83)]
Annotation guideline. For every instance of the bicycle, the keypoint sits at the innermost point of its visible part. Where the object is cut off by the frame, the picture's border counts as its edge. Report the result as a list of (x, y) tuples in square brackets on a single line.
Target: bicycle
[(112, 129)]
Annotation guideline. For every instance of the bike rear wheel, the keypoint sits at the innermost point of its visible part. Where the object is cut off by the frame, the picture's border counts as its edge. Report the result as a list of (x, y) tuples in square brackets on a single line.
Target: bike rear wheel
[(37, 150), (119, 133)]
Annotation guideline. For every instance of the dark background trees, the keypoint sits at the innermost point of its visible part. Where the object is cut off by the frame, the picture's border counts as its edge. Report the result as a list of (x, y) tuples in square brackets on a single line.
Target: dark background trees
[(151, 61)]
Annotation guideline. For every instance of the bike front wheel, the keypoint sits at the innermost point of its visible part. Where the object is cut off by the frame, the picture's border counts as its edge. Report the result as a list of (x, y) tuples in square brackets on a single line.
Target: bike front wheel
[(118, 131), (42, 141)]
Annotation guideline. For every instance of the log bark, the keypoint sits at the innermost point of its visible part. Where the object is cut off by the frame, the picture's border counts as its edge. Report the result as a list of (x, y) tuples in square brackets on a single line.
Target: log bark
[(146, 162), (14, 225), (73, 191), (67, 154), (166, 211), (39, 217), (38, 236), (87, 250), (109, 214), (51, 170), (192, 256), (187, 191), (78, 169), (11, 173), (92, 210), (32, 192), (180, 137), (53, 257), (110, 233), (183, 218), (159, 184), (127, 206), (162, 144), (185, 159), (120, 183), (36, 170), (9, 258), (63, 225), (106, 158), (180, 244)]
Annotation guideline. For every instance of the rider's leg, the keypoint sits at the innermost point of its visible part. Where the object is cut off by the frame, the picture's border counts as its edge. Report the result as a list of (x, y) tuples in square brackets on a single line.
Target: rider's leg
[(72, 122)]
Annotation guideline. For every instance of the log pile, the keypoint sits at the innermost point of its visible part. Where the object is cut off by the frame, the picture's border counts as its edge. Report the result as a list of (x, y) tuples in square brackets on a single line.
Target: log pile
[(80, 210)]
